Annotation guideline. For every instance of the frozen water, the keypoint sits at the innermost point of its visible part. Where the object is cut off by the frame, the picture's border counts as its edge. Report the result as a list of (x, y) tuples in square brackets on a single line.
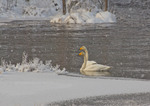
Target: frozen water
[(29, 89)]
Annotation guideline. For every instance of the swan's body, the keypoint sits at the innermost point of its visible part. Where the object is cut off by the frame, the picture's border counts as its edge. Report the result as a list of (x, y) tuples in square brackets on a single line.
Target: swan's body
[(91, 67)]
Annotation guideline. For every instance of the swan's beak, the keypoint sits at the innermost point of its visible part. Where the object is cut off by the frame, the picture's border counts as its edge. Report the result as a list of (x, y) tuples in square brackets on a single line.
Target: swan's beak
[(80, 53), (81, 48)]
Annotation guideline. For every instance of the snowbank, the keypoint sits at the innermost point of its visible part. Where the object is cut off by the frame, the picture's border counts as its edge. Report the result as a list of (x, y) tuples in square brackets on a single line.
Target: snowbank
[(39, 89), (84, 11), (85, 17)]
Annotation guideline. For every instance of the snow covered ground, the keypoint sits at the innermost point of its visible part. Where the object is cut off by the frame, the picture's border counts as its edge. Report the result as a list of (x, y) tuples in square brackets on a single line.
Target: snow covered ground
[(34, 89), (29, 9), (83, 11)]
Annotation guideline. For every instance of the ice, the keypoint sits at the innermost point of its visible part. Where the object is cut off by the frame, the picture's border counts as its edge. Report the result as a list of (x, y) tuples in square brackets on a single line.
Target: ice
[(30, 89)]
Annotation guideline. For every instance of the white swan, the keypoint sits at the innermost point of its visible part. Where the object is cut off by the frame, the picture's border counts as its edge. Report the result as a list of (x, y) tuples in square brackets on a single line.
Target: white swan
[(87, 56), (92, 68)]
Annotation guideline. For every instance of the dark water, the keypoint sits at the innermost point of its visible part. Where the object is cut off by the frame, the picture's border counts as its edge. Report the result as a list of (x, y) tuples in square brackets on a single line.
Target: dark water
[(124, 45)]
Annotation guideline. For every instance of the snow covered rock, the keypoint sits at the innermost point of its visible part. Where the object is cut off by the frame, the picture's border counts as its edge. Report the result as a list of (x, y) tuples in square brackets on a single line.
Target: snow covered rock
[(85, 17), (106, 16)]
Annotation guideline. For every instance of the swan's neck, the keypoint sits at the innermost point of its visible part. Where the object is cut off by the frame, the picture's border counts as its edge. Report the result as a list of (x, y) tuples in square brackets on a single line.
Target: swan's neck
[(84, 64), (86, 54), (85, 61)]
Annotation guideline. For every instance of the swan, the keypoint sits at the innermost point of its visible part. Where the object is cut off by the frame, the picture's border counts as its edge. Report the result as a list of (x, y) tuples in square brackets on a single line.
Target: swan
[(93, 69), (86, 55)]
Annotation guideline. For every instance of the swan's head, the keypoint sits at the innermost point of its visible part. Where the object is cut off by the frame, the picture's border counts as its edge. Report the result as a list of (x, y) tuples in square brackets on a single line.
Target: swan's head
[(81, 54), (83, 48)]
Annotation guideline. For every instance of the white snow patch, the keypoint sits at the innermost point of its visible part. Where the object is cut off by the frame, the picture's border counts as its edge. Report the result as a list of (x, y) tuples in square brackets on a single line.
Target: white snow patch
[(29, 9), (30, 89), (35, 65), (85, 17), (84, 11)]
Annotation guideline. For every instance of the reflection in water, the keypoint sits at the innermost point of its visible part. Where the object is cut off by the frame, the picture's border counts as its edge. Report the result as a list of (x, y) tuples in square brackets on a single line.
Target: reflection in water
[(125, 46)]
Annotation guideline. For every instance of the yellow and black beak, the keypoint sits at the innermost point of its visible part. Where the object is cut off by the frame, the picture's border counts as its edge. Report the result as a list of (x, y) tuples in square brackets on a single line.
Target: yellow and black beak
[(80, 53), (81, 48)]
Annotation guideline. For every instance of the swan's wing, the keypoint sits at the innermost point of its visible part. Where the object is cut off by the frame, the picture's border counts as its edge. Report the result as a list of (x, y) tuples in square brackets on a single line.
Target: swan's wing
[(104, 67), (90, 63), (96, 67)]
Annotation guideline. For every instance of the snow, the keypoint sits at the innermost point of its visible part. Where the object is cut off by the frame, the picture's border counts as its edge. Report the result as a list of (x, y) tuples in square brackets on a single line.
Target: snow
[(85, 17), (34, 82), (34, 65), (30, 89), (29, 9), (82, 11)]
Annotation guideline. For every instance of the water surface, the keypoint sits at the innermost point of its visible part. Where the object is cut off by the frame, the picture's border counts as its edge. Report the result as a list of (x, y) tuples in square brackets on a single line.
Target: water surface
[(124, 45)]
